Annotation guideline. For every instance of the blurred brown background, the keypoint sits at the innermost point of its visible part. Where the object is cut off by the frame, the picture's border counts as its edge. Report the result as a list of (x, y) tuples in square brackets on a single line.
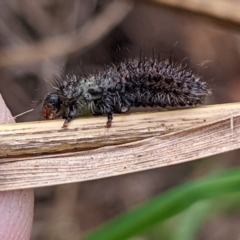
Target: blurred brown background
[(211, 47)]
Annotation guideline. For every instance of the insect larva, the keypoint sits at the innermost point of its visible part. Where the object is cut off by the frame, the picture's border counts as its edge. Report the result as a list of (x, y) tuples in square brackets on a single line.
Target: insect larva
[(131, 83)]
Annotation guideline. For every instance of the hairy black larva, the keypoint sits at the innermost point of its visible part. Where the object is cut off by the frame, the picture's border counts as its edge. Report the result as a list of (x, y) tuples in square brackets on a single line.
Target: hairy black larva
[(131, 83)]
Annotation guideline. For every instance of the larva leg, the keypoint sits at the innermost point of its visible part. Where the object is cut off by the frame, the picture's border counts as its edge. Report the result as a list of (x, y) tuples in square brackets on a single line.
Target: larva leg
[(71, 113), (110, 118), (125, 106), (125, 109)]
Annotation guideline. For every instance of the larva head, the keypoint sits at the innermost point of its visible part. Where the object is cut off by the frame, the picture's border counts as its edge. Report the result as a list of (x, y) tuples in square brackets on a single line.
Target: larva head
[(51, 106)]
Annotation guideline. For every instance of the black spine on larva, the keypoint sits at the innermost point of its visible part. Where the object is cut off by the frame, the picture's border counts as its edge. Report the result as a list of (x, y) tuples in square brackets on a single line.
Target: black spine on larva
[(151, 83)]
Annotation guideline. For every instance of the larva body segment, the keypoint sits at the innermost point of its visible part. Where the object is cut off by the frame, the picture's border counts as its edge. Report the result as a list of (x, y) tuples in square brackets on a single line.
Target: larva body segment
[(131, 83)]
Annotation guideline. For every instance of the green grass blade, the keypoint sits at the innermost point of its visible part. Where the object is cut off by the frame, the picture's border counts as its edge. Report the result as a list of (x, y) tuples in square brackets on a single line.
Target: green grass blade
[(192, 220), (167, 205)]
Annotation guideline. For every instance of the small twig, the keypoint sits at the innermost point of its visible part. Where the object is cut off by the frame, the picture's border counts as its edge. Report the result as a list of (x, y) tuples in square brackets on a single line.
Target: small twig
[(93, 31), (224, 10), (42, 154), (20, 114)]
